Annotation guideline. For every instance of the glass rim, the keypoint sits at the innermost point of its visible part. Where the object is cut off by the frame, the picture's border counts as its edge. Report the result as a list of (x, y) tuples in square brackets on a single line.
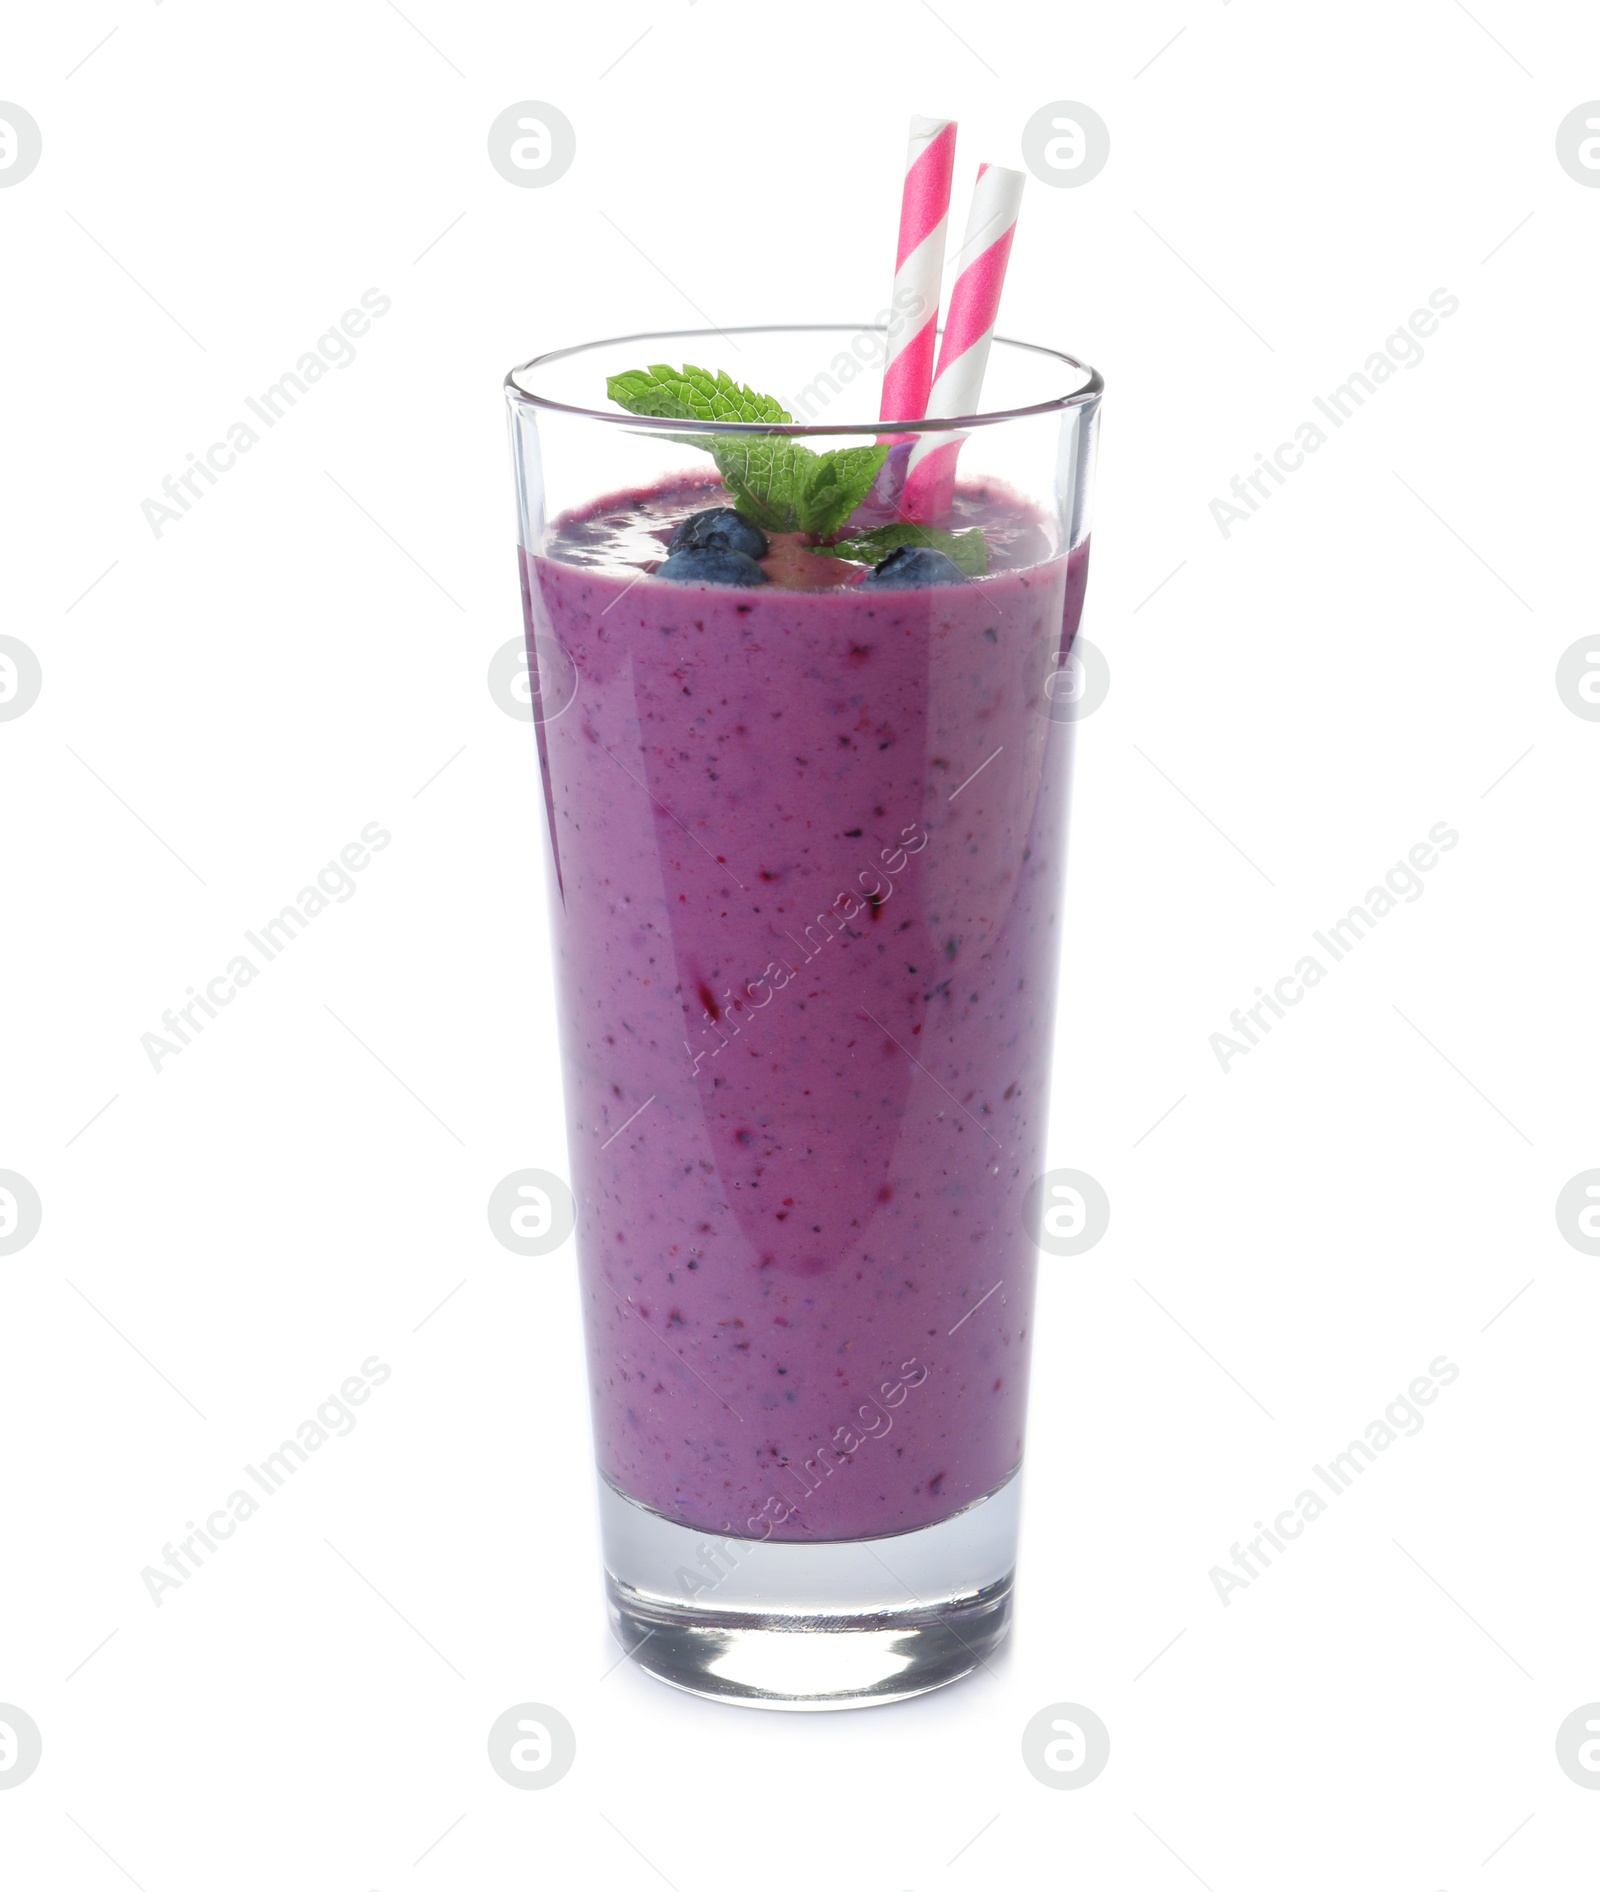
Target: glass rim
[(1085, 396)]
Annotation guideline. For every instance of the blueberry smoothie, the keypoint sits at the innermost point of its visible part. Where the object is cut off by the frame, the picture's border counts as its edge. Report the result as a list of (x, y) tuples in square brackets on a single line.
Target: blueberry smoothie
[(807, 821)]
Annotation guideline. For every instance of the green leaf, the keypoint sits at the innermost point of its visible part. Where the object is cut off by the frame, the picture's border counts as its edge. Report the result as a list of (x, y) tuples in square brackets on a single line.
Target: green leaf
[(969, 550), (765, 477), (778, 484), (691, 394), (837, 484)]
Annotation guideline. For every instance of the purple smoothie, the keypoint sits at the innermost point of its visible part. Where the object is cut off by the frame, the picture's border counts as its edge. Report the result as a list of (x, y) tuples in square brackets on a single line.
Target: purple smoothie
[(807, 843)]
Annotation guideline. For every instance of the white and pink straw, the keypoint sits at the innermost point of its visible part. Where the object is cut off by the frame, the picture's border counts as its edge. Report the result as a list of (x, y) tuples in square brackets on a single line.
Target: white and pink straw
[(919, 263), (964, 351)]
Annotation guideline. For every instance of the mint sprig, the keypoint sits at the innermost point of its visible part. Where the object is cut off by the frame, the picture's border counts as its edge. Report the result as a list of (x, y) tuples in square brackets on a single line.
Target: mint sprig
[(778, 484), (969, 550)]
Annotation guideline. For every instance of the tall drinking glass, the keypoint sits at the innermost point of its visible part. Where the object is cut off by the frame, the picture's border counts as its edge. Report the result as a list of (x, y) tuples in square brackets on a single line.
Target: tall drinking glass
[(805, 875)]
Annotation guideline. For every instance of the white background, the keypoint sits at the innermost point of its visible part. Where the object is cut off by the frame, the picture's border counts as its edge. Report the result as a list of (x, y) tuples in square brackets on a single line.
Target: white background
[(1294, 708)]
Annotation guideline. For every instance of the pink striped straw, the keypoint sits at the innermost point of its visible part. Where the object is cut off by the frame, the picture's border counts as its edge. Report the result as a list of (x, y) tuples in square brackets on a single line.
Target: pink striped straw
[(968, 331), (919, 263)]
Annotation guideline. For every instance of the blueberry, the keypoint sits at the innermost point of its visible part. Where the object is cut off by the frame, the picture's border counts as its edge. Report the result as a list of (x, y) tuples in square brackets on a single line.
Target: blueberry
[(719, 525), (711, 565), (911, 566)]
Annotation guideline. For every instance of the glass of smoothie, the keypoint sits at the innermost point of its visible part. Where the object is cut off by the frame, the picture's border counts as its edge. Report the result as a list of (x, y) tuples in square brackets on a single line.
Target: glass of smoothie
[(805, 772)]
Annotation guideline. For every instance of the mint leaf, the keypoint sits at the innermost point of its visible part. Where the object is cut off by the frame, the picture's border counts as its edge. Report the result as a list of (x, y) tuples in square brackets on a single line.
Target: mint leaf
[(836, 485), (690, 394), (778, 484), (969, 550), (765, 477)]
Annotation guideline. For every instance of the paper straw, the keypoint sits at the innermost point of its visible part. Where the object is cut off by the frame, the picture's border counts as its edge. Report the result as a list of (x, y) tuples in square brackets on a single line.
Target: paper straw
[(968, 331), (919, 263)]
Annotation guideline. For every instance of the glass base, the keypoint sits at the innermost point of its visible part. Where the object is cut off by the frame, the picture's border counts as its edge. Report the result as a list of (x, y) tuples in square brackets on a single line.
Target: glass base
[(810, 1626)]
